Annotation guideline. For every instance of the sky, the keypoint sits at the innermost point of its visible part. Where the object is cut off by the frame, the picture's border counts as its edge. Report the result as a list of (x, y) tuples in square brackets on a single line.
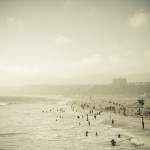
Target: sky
[(70, 41)]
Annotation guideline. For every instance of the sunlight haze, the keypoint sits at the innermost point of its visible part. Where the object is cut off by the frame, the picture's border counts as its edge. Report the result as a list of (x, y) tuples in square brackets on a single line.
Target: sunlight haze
[(73, 41)]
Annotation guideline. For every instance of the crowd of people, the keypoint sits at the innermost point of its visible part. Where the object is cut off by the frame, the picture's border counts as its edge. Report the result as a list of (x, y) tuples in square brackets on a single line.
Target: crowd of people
[(94, 108), (86, 110)]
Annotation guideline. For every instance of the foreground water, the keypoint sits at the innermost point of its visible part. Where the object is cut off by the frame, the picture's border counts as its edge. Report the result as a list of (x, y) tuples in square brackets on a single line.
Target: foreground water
[(36, 123)]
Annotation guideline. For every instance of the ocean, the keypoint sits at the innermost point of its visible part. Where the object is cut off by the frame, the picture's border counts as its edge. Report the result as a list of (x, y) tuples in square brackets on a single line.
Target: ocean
[(48, 123)]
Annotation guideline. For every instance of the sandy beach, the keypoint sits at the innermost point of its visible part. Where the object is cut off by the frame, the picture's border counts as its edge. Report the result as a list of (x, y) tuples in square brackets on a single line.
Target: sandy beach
[(111, 109)]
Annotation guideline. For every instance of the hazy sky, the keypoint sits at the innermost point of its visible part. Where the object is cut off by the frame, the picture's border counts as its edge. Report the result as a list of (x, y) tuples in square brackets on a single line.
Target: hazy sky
[(52, 41)]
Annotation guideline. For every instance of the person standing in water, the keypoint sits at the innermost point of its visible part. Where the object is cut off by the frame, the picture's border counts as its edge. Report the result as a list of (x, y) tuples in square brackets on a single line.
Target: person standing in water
[(87, 119), (142, 118), (112, 122), (142, 122), (86, 133), (96, 134), (113, 142)]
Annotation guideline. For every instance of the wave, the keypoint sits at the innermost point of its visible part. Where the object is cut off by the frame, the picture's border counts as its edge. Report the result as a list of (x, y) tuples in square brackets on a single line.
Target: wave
[(4, 104), (137, 142), (10, 134)]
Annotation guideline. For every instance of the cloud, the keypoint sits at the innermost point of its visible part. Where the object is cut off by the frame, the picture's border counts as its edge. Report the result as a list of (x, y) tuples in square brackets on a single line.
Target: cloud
[(95, 59), (63, 40), (90, 65), (19, 70), (87, 65), (13, 21), (139, 19), (67, 4), (114, 60)]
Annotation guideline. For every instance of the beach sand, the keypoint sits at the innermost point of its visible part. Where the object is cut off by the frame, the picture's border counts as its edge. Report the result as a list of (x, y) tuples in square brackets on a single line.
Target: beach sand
[(128, 121)]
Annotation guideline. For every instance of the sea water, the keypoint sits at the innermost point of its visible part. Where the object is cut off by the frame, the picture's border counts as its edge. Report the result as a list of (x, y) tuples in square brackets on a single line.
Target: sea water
[(48, 123)]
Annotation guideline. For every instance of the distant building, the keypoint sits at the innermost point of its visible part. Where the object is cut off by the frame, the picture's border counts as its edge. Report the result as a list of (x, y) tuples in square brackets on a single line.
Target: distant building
[(119, 82), (139, 83)]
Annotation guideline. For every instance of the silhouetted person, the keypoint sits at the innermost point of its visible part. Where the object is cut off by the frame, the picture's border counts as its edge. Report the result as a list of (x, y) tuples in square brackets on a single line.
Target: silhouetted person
[(143, 124), (96, 134), (86, 133), (87, 119), (142, 118), (112, 122), (118, 135), (113, 142)]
